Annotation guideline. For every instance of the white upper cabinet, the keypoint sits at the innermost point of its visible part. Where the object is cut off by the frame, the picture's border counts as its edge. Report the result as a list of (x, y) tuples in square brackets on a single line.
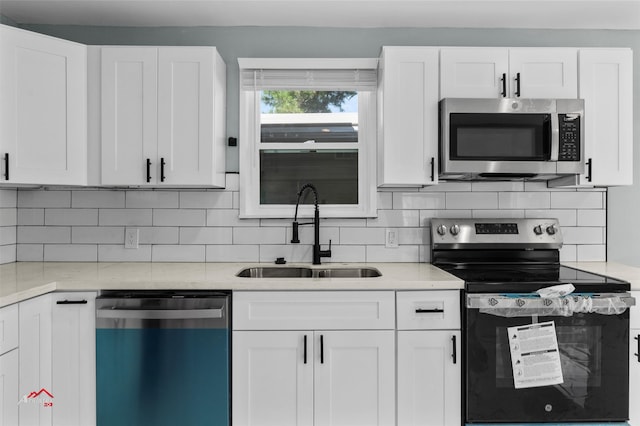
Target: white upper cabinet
[(408, 116), (478, 72), (43, 107), (163, 116), (606, 85)]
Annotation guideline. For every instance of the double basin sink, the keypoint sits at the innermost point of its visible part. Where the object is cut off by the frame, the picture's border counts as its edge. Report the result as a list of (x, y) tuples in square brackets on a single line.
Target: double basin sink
[(308, 272)]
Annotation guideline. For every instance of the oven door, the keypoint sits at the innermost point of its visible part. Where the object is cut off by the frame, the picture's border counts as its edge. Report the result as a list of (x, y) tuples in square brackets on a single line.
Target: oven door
[(593, 351)]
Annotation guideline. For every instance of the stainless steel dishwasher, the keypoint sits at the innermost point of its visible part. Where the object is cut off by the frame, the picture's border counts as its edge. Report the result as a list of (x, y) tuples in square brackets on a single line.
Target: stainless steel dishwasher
[(162, 358)]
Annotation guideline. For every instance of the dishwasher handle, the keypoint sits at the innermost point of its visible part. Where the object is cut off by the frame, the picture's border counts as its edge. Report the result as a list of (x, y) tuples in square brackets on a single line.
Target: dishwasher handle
[(159, 314)]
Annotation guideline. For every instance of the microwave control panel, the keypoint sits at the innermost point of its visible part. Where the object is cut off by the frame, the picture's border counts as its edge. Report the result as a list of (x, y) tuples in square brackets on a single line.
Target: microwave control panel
[(569, 137)]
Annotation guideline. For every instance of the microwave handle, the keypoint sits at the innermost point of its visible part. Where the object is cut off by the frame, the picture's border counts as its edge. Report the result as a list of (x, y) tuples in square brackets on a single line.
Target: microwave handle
[(555, 138)]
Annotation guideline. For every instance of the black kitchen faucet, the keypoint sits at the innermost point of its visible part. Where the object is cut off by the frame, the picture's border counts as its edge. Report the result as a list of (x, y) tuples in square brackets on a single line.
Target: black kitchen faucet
[(317, 253)]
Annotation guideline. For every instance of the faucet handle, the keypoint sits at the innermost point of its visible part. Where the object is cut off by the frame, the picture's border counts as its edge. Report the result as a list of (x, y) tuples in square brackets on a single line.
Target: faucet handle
[(326, 253), (294, 237)]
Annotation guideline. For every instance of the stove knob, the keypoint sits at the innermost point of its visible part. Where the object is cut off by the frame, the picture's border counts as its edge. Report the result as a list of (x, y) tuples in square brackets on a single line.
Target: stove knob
[(551, 229), (455, 230), (442, 230), (537, 230)]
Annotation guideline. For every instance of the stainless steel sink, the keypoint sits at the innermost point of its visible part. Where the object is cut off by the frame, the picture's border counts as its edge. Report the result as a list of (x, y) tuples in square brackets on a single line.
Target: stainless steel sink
[(304, 272)]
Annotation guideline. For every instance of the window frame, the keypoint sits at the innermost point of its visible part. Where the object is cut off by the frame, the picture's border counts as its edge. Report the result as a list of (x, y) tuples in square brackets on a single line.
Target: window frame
[(249, 145)]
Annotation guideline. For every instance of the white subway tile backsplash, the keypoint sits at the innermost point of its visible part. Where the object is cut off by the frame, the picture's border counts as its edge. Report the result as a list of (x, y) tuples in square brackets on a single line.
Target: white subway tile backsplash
[(106, 199), (30, 216), (42, 198), (44, 234), (395, 218), (204, 224), (80, 217), (359, 236), (125, 217), (117, 253), (592, 218), (70, 253), (398, 254), (233, 253), (232, 182), (577, 200), (249, 235), (152, 199), (591, 253), (8, 217), (198, 235), (206, 200), (524, 200), (30, 252), (179, 217), (178, 253), (8, 198), (472, 200), (419, 200), (97, 235)]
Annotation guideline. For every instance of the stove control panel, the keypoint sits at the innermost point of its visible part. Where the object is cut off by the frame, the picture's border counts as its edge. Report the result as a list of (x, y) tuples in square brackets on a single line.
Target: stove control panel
[(495, 233)]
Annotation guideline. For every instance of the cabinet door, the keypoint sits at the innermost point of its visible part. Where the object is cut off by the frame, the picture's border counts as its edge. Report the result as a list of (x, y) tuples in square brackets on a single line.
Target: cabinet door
[(43, 126), (634, 377), (129, 115), (35, 362), (188, 135), (9, 395), (606, 85), (74, 359), (354, 378), (408, 117), (429, 378), (473, 72), (543, 73), (272, 383)]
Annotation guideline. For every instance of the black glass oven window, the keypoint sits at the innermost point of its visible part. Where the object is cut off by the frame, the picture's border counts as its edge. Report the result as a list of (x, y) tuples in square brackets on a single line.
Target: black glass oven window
[(500, 137)]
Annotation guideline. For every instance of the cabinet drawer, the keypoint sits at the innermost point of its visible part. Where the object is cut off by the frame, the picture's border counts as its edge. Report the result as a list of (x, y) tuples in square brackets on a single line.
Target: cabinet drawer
[(313, 310), (428, 310), (8, 328)]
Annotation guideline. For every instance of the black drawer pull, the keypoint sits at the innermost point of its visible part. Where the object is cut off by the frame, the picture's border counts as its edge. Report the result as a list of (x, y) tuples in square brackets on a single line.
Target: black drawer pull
[(321, 349), (71, 302), (6, 166), (454, 354), (429, 311), (637, 354), (305, 348)]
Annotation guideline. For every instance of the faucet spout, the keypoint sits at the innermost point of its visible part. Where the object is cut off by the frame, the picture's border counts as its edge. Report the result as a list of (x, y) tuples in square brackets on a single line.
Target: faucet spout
[(317, 252)]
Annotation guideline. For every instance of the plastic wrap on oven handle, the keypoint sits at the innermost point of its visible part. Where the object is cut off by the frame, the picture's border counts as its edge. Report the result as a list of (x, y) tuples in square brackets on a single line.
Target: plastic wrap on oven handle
[(528, 304)]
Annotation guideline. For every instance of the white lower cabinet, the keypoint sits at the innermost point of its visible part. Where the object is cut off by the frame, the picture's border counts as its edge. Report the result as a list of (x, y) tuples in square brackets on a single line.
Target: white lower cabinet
[(634, 363), (9, 365), (333, 375), (429, 370), (56, 372)]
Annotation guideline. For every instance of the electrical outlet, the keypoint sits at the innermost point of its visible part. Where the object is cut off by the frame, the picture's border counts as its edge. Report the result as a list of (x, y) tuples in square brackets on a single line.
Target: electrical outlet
[(131, 238), (391, 238)]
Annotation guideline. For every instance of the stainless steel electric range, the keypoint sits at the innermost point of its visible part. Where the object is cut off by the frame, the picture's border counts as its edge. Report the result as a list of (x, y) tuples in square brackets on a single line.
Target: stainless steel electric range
[(543, 343)]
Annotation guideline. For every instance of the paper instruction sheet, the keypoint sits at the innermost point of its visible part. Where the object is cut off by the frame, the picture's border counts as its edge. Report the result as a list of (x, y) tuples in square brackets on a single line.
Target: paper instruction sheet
[(534, 355)]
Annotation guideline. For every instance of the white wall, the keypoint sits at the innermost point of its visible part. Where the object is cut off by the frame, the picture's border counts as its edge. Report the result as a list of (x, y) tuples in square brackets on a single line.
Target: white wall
[(200, 225)]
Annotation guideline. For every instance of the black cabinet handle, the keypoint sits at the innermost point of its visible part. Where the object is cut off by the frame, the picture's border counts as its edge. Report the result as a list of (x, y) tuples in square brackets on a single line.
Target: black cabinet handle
[(504, 85), (589, 170), (429, 311), (321, 349), (162, 163), (148, 170), (454, 354), (517, 93), (6, 166), (637, 354), (433, 169), (305, 349), (71, 302)]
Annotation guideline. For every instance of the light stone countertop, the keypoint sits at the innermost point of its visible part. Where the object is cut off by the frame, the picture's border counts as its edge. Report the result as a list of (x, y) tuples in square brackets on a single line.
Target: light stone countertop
[(23, 280)]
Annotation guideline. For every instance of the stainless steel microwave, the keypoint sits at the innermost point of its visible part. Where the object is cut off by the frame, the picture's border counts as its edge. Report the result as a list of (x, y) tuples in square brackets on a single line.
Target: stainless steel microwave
[(508, 139)]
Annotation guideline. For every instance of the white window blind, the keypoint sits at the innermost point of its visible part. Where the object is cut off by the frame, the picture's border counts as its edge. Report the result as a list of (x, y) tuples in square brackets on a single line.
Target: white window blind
[(319, 79)]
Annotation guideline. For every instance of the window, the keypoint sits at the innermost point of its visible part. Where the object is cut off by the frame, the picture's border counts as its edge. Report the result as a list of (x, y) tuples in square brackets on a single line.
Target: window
[(307, 121)]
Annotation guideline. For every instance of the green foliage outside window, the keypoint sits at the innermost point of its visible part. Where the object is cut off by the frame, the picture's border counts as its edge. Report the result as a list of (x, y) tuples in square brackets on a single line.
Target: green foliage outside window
[(304, 101)]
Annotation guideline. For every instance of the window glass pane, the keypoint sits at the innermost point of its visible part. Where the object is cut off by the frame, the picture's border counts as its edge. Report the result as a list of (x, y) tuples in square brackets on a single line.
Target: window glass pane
[(334, 174), (297, 116)]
